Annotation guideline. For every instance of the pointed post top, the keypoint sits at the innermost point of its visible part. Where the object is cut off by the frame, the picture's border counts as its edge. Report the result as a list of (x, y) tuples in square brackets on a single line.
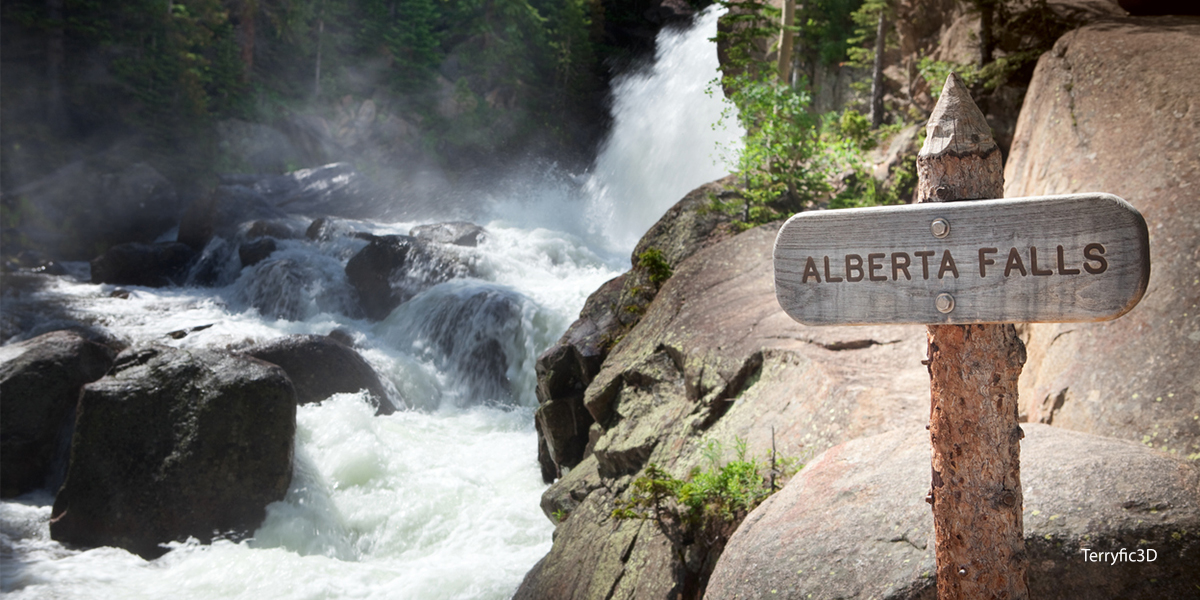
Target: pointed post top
[(960, 160), (957, 126)]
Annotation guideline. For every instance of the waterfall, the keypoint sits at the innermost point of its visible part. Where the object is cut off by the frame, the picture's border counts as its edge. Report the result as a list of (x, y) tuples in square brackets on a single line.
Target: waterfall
[(665, 139), (440, 501)]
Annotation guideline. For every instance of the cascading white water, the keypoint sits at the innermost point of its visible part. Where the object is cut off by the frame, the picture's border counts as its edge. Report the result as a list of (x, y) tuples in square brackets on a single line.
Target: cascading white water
[(438, 502), (665, 139)]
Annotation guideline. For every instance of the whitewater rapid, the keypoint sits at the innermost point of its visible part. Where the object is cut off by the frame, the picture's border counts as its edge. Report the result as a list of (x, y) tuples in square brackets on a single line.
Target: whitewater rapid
[(441, 500)]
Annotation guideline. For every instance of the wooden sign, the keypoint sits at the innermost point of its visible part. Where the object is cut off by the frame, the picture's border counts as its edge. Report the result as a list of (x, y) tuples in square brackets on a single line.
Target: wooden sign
[(1083, 257)]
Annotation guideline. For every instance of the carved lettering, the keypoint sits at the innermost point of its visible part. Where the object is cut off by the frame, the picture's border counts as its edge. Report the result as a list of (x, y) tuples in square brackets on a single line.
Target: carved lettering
[(854, 263), (810, 268), (872, 266), (1094, 253), (947, 265), (829, 278), (1033, 267), (1062, 266), (924, 254), (984, 261), (900, 265), (1014, 262)]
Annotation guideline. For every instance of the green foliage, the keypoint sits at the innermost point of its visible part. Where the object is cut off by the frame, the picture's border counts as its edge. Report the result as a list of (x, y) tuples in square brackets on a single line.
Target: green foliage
[(853, 127), (653, 261), (560, 515), (935, 72), (776, 163), (707, 507), (827, 30)]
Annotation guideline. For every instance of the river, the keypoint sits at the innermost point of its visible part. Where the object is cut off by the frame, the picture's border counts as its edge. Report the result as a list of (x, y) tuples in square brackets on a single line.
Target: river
[(439, 501)]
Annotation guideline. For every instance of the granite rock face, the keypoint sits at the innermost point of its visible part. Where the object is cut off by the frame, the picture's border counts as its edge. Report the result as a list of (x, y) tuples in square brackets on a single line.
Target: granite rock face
[(1112, 109), (854, 523), (713, 359)]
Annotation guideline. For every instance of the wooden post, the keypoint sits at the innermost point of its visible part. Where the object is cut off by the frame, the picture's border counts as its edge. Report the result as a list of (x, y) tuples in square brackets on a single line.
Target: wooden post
[(973, 370)]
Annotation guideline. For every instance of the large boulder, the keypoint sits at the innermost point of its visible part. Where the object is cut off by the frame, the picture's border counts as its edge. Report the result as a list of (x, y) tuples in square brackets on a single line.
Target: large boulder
[(152, 265), (224, 213), (1106, 112), (320, 367), (473, 332), (392, 269), (566, 368), (854, 523), (713, 359), (335, 189), (83, 208), (40, 380), (175, 444)]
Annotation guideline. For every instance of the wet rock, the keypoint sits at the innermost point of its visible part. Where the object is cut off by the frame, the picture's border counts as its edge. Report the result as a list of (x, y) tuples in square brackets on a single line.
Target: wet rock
[(40, 380), (459, 233), (854, 522), (223, 213), (295, 289), (392, 269), (1104, 113), (33, 261), (320, 366), (276, 228), (254, 252), (152, 265), (90, 205), (335, 190), (175, 444), (471, 331)]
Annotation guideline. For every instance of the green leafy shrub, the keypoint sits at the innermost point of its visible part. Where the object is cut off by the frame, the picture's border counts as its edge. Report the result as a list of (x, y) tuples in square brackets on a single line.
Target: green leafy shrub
[(776, 162), (702, 511), (656, 264)]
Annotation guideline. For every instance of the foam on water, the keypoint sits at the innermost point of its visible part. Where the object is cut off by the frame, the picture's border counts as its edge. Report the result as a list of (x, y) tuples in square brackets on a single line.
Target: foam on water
[(437, 502)]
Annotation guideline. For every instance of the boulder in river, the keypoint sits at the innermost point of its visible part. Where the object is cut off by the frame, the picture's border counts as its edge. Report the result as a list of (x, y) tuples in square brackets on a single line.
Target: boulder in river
[(392, 269), (223, 213), (40, 380), (320, 366), (175, 444), (253, 252), (459, 233), (152, 265), (336, 190), (854, 523)]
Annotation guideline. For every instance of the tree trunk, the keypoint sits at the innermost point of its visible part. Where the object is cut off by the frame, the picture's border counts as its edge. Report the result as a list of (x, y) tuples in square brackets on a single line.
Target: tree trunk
[(246, 18), (786, 37), (317, 75), (877, 71), (973, 370), (987, 42), (55, 59)]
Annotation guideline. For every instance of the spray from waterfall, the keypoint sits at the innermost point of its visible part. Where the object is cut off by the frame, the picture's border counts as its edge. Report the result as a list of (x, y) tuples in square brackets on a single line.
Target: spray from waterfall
[(665, 139)]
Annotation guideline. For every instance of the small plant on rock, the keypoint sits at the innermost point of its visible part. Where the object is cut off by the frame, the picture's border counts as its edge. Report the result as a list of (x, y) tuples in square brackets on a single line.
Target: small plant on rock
[(699, 513)]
